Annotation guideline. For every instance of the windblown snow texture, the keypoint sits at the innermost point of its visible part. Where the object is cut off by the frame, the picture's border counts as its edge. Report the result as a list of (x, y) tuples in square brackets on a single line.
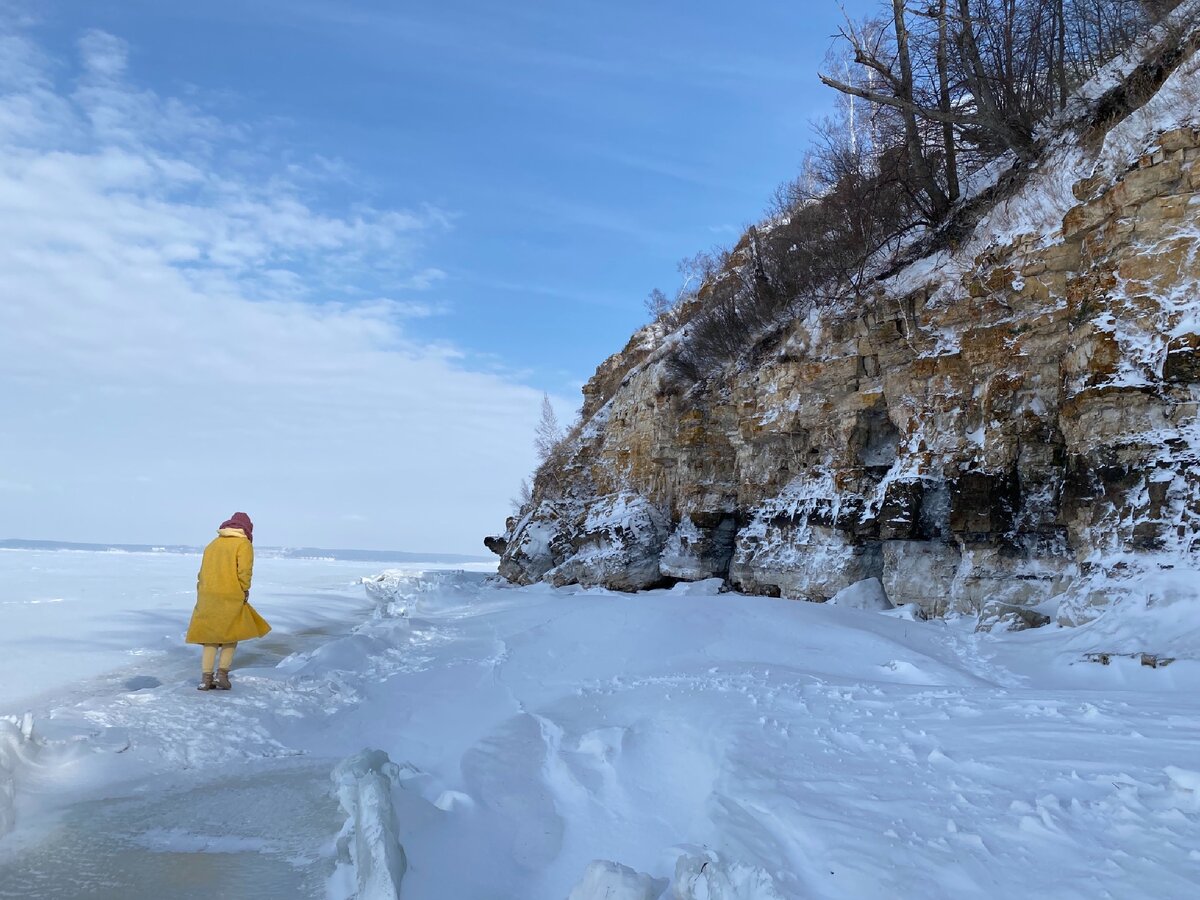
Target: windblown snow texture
[(686, 743)]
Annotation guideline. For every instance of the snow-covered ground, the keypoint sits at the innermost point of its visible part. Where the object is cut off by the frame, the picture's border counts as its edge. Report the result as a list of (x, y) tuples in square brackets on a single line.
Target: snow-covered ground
[(718, 746)]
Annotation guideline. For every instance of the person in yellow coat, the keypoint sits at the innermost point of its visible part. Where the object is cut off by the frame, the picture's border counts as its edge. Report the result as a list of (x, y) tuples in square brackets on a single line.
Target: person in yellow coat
[(223, 614)]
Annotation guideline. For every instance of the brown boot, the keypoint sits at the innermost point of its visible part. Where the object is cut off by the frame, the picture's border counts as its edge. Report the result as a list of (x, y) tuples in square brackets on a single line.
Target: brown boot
[(206, 682), (223, 680)]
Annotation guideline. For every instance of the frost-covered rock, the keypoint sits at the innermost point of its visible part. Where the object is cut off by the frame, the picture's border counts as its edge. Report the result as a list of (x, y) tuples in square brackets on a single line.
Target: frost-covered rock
[(618, 545), (537, 542), (369, 843), (997, 615), (707, 876), (1024, 571), (695, 552), (801, 543), (810, 563), (920, 573), (1087, 600), (866, 594), (603, 880), (1012, 419)]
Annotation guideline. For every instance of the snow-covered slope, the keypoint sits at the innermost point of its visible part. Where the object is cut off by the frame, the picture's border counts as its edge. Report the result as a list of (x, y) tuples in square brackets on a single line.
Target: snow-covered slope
[(542, 742)]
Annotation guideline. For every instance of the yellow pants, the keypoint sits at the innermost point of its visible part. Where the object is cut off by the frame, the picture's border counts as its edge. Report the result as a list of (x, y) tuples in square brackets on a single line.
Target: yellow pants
[(208, 656)]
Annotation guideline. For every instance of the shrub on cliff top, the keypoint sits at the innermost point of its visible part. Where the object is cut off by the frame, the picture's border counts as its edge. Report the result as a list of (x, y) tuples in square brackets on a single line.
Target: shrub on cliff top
[(930, 93)]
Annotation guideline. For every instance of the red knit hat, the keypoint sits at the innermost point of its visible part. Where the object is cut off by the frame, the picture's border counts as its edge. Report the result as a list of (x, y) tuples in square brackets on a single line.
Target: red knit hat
[(242, 521)]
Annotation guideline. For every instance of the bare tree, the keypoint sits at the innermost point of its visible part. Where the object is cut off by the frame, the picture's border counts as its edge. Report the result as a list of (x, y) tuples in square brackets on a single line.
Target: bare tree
[(931, 91), (523, 498), (891, 84), (946, 101), (657, 304), (985, 73), (697, 271), (549, 433)]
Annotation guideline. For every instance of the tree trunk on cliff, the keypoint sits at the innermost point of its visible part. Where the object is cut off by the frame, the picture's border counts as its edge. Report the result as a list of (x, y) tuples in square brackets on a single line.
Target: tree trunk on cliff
[(980, 83), (900, 95), (944, 101), (1060, 15), (922, 172)]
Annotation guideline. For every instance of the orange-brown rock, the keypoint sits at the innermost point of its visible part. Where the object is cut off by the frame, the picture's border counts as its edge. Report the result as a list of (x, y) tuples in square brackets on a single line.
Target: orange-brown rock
[(1005, 424)]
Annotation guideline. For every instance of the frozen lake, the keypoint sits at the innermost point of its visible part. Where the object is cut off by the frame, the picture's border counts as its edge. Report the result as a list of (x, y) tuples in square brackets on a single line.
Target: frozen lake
[(721, 745), (67, 616), (84, 632)]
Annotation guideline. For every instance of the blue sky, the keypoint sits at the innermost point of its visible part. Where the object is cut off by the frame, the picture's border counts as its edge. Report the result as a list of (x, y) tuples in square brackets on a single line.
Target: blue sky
[(418, 216), (582, 148)]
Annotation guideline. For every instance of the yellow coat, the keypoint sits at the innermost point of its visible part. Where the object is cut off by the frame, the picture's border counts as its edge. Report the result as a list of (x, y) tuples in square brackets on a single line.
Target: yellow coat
[(223, 613)]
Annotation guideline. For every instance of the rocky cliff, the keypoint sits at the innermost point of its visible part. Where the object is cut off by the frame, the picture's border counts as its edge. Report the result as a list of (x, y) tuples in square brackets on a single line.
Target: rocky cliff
[(1007, 423)]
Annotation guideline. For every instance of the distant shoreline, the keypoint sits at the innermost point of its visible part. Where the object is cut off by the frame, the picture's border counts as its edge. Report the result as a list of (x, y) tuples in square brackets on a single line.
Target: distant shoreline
[(381, 556)]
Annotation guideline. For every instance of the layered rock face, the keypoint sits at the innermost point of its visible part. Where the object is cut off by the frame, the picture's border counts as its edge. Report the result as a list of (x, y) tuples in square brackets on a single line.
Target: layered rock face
[(998, 426)]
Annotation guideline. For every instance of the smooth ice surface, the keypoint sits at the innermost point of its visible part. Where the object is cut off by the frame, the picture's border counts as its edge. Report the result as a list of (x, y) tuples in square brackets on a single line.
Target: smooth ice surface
[(257, 832), (68, 615), (728, 746)]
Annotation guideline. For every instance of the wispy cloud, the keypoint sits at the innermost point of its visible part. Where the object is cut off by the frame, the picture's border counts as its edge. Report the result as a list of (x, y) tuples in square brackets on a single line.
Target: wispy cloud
[(649, 163), (518, 291), (583, 216), (424, 279), (186, 328), (490, 41)]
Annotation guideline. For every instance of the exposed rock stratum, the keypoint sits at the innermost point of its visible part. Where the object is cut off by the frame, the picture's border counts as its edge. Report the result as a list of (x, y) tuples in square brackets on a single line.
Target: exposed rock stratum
[(1010, 422)]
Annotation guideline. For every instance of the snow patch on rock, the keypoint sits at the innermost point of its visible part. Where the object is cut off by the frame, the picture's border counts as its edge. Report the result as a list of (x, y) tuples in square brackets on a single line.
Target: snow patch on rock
[(705, 875), (604, 880), (795, 544), (618, 545), (1154, 612), (865, 594), (693, 553)]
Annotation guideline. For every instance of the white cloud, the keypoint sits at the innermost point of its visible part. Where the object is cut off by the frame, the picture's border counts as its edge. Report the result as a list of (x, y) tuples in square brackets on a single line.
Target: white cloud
[(425, 279), (182, 335), (102, 54)]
